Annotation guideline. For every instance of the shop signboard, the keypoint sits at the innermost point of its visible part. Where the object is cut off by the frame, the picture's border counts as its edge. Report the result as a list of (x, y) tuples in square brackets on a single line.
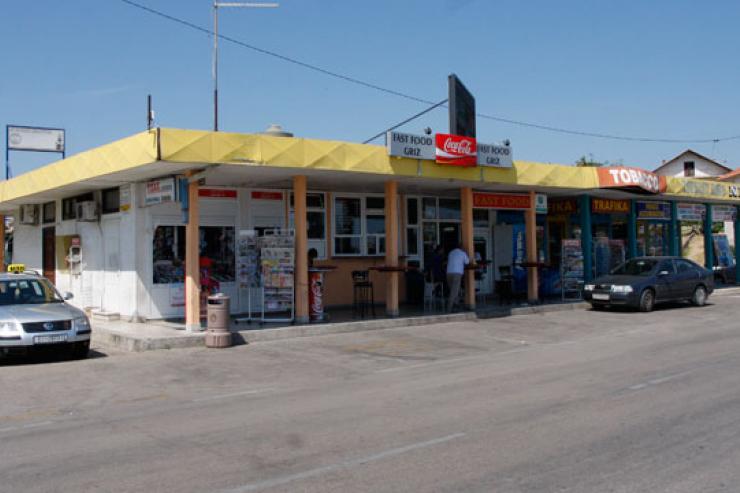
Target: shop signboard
[(501, 201), (497, 156), (38, 139), (217, 193), (540, 203), (455, 150), (411, 146), (655, 211), (159, 191), (610, 206), (264, 195), (562, 207), (623, 177), (723, 213), (125, 198), (691, 212)]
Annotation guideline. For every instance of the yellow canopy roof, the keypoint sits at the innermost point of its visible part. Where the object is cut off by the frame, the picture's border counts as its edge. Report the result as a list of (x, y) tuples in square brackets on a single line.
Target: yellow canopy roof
[(166, 151)]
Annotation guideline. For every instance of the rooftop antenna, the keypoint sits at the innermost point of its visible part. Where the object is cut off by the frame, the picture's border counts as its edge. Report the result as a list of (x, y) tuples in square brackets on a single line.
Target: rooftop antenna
[(149, 112)]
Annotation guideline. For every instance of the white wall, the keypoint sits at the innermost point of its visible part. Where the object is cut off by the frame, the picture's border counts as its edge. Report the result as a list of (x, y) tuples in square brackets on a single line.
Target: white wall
[(27, 246), (702, 167)]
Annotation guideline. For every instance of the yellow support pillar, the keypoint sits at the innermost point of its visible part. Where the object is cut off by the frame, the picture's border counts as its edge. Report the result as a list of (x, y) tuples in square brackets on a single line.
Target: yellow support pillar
[(531, 235), (192, 261), (301, 249), (466, 211), (391, 247)]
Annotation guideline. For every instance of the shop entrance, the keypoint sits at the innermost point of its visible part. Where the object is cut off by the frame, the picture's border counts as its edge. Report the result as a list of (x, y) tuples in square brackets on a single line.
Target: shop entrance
[(482, 247), (48, 253), (449, 234)]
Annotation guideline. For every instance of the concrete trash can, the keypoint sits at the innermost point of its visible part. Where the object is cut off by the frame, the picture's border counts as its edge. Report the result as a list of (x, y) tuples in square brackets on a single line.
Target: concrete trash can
[(217, 332)]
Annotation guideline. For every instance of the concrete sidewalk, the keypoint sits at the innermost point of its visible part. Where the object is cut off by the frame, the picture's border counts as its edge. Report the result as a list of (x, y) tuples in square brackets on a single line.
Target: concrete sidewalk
[(160, 334)]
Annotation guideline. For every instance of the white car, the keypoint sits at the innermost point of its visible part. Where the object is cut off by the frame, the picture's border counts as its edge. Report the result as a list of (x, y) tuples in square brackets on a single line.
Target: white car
[(33, 314)]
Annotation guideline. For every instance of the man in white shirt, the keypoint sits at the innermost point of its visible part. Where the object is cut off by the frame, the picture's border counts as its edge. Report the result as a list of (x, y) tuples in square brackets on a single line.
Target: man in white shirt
[(456, 262)]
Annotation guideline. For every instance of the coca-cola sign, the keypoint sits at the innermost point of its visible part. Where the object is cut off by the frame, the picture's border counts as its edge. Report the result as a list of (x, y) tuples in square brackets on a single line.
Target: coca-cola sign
[(456, 150)]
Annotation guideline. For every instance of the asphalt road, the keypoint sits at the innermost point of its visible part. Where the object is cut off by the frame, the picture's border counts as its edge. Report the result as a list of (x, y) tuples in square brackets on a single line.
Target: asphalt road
[(574, 401)]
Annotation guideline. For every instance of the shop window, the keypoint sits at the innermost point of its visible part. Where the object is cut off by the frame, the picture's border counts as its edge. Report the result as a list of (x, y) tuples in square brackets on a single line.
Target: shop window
[(49, 212), (449, 209), (347, 226), (688, 168), (412, 227), (359, 226), (216, 253), (316, 221), (169, 254), (429, 208), (480, 218), (69, 206), (111, 200), (375, 225)]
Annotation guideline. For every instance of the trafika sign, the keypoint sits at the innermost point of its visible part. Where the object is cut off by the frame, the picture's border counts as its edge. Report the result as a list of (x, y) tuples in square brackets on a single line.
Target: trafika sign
[(456, 150), (621, 177)]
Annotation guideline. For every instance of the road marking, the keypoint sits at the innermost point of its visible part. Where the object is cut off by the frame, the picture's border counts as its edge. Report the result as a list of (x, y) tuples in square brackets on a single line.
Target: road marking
[(234, 394), (658, 381), (25, 427), (340, 465), (452, 360)]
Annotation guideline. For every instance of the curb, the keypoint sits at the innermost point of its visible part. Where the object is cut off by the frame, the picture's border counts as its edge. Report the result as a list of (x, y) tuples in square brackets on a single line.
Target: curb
[(126, 342), (264, 335)]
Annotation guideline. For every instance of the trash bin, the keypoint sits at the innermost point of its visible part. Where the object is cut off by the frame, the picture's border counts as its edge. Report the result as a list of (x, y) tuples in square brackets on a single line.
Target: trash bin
[(218, 334)]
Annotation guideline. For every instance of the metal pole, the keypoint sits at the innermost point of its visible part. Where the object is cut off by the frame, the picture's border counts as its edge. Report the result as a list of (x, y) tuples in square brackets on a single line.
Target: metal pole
[(7, 153), (215, 66)]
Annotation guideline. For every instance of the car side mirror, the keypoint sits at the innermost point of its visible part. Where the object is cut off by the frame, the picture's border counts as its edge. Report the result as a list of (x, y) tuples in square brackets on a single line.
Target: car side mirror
[(663, 273), (68, 296)]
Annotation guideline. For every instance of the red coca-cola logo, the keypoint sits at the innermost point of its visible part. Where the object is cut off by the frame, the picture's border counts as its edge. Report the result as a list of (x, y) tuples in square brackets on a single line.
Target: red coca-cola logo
[(456, 150)]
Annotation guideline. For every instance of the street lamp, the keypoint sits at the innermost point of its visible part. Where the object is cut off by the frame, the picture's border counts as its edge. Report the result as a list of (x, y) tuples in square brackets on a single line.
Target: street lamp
[(216, 6)]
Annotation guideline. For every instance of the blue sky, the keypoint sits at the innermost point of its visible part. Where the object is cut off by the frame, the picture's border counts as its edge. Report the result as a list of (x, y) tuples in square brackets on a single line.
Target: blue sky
[(665, 69)]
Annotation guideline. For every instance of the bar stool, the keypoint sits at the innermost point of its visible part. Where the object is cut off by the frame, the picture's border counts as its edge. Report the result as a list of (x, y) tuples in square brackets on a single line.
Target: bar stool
[(363, 299)]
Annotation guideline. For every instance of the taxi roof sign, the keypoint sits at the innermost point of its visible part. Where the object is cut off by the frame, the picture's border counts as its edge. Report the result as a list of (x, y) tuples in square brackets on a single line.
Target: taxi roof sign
[(17, 268)]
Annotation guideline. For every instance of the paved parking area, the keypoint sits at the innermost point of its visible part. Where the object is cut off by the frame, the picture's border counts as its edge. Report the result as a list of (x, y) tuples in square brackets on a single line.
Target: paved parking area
[(572, 401)]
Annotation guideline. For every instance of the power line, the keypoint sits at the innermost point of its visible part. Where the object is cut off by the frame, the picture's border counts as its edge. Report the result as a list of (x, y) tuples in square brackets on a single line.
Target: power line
[(410, 97)]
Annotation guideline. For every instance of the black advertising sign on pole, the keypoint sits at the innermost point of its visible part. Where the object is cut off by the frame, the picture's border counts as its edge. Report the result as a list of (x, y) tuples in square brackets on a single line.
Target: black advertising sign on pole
[(462, 108)]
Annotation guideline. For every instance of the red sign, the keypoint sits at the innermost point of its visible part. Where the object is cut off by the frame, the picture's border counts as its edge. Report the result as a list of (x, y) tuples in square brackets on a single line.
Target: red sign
[(267, 195), (217, 193), (456, 150), (621, 177), (501, 201)]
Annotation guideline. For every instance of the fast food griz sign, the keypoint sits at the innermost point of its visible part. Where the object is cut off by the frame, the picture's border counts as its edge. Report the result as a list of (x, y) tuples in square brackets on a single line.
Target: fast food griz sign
[(447, 149), (631, 178)]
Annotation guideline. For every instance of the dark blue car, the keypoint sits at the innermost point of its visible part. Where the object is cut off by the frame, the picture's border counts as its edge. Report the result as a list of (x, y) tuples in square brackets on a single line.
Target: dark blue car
[(644, 281)]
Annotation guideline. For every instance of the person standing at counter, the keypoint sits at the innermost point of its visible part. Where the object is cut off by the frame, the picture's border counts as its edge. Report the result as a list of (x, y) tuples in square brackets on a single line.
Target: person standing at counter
[(456, 262)]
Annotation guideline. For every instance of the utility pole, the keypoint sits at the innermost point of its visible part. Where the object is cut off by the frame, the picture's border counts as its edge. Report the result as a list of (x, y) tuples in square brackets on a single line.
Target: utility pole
[(216, 6)]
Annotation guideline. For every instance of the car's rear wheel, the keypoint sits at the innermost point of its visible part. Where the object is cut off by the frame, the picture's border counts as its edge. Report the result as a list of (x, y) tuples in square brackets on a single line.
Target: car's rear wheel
[(699, 298), (647, 300), (80, 350)]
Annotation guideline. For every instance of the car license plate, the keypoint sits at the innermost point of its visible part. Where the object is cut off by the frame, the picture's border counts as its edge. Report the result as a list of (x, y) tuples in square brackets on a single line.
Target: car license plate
[(600, 297), (50, 339)]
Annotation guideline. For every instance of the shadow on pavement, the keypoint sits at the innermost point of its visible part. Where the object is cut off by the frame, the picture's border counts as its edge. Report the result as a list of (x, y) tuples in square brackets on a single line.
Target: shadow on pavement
[(46, 355)]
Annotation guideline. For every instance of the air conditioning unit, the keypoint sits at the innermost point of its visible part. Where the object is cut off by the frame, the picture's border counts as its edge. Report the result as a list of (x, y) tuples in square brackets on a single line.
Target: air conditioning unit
[(87, 211), (29, 214)]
